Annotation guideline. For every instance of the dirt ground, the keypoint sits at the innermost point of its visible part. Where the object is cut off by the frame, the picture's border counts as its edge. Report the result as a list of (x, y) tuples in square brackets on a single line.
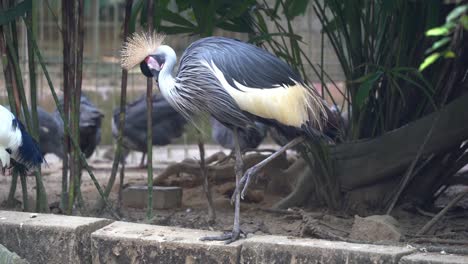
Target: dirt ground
[(256, 217)]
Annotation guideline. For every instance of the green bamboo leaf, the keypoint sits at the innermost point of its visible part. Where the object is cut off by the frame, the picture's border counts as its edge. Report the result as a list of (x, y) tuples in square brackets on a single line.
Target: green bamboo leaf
[(449, 54), (440, 31), (455, 13), (429, 60), (170, 30), (137, 7), (366, 87), (438, 44), (295, 8), (176, 18), (6, 16), (464, 21), (233, 27)]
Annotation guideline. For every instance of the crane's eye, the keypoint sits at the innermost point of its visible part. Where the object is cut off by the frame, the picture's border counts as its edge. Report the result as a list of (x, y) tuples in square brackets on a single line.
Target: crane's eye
[(145, 69)]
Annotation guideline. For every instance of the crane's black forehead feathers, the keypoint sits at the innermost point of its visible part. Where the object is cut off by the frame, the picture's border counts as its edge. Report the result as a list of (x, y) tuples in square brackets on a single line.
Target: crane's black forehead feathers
[(247, 64)]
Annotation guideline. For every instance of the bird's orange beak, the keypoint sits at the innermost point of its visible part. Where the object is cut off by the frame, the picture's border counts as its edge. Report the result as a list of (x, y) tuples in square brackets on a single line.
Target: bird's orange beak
[(153, 63)]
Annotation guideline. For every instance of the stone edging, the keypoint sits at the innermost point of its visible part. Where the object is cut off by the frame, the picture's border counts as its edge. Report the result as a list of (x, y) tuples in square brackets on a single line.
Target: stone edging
[(44, 238)]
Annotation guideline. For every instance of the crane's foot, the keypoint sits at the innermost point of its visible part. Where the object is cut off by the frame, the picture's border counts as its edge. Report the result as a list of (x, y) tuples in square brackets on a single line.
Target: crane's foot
[(228, 237), (244, 184)]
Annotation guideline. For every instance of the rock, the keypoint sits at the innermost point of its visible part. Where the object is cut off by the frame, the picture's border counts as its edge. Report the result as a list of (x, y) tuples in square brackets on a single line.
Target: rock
[(375, 228), (163, 197)]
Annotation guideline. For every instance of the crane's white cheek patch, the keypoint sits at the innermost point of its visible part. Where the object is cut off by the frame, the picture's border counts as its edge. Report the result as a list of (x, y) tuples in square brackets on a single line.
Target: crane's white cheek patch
[(286, 105)]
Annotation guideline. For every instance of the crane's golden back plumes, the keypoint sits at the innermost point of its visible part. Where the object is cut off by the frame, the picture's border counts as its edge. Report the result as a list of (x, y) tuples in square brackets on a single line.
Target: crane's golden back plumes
[(138, 46)]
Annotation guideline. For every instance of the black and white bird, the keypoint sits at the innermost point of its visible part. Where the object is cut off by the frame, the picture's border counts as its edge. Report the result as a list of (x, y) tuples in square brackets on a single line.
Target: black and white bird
[(90, 125), (18, 149), (168, 124), (248, 138), (50, 133), (236, 83)]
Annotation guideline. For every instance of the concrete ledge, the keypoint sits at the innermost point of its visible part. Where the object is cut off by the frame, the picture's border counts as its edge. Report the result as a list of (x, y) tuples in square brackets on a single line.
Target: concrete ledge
[(123, 242), (434, 258), (280, 249), (43, 238), (47, 238)]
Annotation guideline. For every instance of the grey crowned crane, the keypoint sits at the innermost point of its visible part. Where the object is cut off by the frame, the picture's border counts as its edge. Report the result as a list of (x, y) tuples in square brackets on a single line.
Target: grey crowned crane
[(90, 125), (50, 133), (236, 83), (168, 124), (18, 149)]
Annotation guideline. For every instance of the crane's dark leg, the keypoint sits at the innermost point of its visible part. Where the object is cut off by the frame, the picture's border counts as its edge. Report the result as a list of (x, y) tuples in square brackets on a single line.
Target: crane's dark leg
[(142, 161), (232, 236), (206, 182), (250, 173)]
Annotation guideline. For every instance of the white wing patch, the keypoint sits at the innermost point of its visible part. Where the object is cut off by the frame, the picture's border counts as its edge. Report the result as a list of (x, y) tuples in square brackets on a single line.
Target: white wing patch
[(287, 105), (9, 138)]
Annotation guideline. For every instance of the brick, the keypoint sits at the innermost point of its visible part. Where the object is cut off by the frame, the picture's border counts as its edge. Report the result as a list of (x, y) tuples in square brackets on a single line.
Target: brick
[(434, 258), (280, 249), (123, 242), (47, 238), (163, 197)]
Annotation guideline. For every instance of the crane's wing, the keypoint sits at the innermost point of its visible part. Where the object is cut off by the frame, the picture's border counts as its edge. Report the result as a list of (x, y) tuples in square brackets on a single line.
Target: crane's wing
[(259, 82)]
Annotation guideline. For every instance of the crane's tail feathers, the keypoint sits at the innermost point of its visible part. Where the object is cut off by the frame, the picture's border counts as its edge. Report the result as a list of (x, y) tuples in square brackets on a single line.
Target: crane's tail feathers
[(29, 153), (138, 46), (317, 110)]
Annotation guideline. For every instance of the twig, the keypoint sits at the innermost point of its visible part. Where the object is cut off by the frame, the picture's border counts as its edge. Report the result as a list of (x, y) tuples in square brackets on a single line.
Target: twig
[(409, 172), (438, 241), (442, 213), (123, 101)]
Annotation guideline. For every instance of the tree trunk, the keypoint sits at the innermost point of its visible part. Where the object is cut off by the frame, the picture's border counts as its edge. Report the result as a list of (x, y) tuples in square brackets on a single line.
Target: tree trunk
[(375, 165)]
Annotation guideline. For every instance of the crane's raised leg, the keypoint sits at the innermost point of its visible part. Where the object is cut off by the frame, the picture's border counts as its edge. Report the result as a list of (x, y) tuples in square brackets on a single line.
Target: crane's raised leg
[(232, 236), (250, 173)]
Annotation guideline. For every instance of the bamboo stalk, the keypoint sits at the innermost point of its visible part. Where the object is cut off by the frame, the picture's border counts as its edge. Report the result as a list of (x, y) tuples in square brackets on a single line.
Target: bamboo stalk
[(123, 101), (149, 136), (78, 82), (11, 99), (24, 190), (67, 130), (42, 204)]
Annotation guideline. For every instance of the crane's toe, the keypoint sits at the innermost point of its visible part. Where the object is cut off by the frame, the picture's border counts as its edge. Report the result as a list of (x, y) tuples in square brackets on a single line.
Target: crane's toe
[(243, 184), (228, 237)]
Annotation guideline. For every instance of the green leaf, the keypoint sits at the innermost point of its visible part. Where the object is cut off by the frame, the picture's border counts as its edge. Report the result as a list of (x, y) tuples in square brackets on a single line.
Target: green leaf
[(6, 16), (233, 27), (176, 18), (366, 86), (449, 54), (438, 44), (464, 21), (175, 29), (429, 60), (440, 31), (182, 5), (455, 13), (137, 7), (295, 8)]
